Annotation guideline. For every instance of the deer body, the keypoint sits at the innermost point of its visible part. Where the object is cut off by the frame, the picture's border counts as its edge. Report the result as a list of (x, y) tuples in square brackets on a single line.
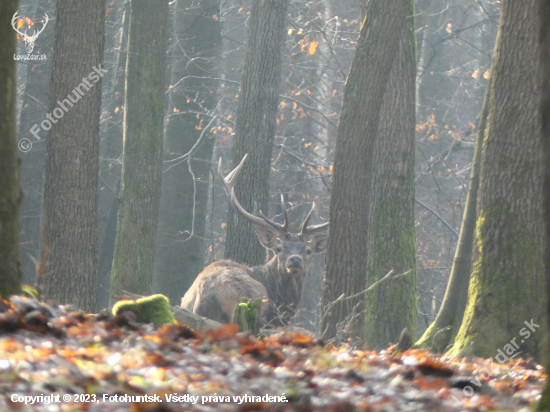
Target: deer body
[(223, 284), (219, 288)]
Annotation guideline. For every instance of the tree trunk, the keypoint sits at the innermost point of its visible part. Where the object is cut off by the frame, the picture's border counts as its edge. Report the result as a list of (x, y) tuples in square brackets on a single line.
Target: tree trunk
[(255, 127), (184, 196), (351, 188), (10, 193), (544, 21), (110, 151), (69, 221), (505, 287), (142, 152), (33, 151), (454, 302), (391, 306)]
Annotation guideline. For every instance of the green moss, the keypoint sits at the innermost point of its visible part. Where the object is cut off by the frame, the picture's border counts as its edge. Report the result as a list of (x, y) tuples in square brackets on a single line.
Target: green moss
[(152, 309), (504, 290), (247, 315), (30, 291), (392, 303)]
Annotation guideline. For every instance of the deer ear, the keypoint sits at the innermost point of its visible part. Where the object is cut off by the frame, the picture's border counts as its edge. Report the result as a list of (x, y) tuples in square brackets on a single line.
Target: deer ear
[(319, 242), (267, 238)]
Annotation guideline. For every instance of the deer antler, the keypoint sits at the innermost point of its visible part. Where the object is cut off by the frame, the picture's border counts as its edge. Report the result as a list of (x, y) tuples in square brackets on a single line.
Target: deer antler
[(284, 227), (229, 183), (305, 230)]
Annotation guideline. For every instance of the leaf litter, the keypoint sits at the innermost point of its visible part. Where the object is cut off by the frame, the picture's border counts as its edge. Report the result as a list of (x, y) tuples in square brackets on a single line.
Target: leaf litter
[(46, 350)]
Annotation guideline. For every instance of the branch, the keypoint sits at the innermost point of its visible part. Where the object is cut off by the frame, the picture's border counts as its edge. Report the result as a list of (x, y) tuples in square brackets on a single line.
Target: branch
[(342, 297), (433, 212), (193, 149)]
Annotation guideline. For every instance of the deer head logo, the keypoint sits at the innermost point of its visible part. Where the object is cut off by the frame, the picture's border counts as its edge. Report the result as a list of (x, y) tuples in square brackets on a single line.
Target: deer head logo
[(28, 39)]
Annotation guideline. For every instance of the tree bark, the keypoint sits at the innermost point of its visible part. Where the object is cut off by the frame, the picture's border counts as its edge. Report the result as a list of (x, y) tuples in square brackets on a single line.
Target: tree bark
[(456, 294), (31, 150), (110, 151), (508, 267), (391, 307), (544, 44), (142, 151), (255, 127), (69, 220), (184, 196), (10, 193), (351, 188)]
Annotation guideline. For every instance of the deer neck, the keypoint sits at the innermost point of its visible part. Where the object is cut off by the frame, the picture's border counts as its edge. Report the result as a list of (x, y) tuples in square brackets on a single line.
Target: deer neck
[(283, 289)]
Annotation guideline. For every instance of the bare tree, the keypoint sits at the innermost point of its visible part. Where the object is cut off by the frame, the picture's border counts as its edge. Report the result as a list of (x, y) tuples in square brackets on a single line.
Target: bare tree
[(110, 149), (391, 306), (359, 123), (508, 268), (10, 193), (454, 302), (34, 108), (544, 45), (188, 146), (69, 221), (255, 127), (142, 154)]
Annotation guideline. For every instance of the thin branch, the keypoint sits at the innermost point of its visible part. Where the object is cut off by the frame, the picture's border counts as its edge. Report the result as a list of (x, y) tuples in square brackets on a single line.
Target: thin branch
[(109, 187), (433, 212), (311, 108), (390, 275), (201, 77), (195, 147)]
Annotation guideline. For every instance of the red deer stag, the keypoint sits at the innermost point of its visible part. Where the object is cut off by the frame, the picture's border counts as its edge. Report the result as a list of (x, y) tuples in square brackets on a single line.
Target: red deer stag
[(222, 285)]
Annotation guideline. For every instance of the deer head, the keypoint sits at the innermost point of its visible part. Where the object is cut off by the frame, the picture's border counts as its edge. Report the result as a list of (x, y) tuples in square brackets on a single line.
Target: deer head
[(29, 40)]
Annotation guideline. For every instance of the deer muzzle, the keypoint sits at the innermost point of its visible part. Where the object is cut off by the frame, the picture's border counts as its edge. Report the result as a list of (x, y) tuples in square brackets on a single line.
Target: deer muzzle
[(294, 263)]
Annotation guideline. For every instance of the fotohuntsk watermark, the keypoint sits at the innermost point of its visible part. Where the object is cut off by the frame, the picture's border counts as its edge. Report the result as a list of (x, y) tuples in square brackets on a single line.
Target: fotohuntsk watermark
[(18, 23), (63, 106), (503, 355)]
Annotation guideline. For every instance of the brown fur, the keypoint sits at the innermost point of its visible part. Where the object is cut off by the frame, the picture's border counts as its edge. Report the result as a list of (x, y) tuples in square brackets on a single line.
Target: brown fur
[(219, 288)]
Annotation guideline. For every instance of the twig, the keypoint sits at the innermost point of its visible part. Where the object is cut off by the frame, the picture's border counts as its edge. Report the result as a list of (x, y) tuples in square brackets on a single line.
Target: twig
[(109, 187), (197, 144), (433, 212), (389, 275)]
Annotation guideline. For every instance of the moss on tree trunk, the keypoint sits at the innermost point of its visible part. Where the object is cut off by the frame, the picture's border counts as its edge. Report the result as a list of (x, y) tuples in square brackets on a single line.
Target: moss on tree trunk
[(346, 257), (508, 269), (142, 153), (391, 306), (452, 309)]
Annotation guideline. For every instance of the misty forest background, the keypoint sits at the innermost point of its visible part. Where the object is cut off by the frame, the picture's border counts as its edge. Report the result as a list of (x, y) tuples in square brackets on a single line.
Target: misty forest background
[(416, 135)]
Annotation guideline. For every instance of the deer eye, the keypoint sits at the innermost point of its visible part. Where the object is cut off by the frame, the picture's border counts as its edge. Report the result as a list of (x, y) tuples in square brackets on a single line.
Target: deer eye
[(308, 251), (278, 249)]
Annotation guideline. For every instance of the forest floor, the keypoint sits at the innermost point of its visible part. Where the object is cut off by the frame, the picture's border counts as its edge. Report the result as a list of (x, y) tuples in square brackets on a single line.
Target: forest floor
[(59, 361)]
